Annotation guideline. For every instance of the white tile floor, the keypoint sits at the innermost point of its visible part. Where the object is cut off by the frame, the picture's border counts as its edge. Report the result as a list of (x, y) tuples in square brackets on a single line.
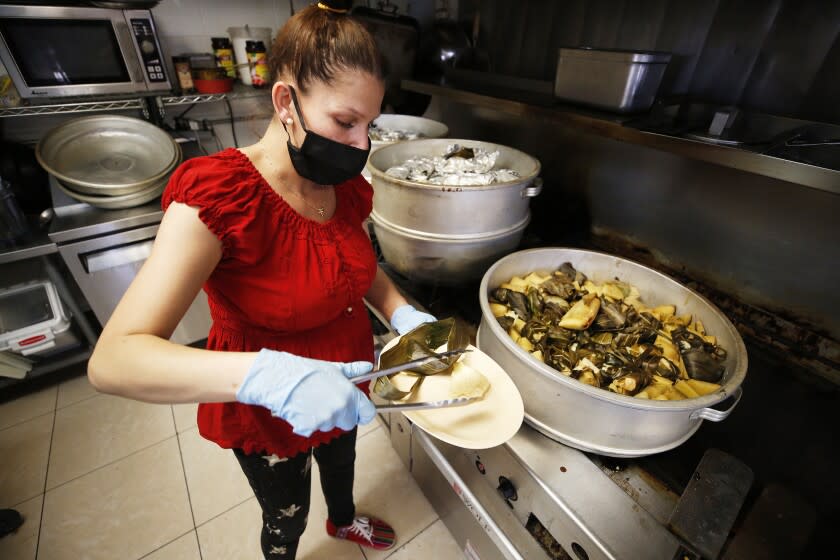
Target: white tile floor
[(97, 476)]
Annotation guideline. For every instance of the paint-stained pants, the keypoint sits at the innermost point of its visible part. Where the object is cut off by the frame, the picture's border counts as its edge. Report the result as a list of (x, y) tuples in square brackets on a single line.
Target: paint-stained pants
[(282, 487)]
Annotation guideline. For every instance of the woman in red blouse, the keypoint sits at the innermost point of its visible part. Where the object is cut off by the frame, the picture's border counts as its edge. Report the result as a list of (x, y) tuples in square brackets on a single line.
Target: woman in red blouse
[(274, 234)]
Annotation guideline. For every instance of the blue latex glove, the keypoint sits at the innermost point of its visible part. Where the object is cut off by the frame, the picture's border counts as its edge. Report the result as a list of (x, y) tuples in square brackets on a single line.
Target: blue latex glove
[(406, 318), (308, 394)]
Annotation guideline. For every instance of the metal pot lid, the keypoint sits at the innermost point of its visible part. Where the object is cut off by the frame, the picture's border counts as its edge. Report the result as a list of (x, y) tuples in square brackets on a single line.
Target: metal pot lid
[(108, 154), (616, 55), (427, 128)]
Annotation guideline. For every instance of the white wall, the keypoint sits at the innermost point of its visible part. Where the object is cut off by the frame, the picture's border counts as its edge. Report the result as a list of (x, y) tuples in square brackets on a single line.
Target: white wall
[(188, 25)]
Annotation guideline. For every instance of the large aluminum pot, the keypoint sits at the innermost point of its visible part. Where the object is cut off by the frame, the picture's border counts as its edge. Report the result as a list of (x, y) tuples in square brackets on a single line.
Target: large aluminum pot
[(593, 419), (443, 259), (427, 128), (108, 155), (435, 209)]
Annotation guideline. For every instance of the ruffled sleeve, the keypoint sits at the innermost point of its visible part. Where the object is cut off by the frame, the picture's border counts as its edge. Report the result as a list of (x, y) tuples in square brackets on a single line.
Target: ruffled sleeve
[(224, 193), (361, 196)]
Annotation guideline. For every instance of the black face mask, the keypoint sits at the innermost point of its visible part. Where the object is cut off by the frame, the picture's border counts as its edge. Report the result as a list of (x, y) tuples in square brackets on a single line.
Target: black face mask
[(322, 160)]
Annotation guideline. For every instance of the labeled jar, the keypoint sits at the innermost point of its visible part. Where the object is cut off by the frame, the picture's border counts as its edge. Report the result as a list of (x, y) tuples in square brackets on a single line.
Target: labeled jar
[(183, 71), (223, 51), (258, 63)]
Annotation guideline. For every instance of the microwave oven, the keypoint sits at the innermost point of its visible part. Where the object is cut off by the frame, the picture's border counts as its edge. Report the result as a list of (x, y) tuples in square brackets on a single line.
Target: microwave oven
[(55, 51)]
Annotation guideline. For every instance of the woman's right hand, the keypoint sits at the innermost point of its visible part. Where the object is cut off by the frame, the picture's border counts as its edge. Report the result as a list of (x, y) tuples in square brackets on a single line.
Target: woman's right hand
[(308, 394)]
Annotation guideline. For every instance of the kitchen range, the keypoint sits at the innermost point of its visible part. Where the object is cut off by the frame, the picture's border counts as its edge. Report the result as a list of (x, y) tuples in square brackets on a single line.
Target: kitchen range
[(585, 480), (536, 497), (725, 212)]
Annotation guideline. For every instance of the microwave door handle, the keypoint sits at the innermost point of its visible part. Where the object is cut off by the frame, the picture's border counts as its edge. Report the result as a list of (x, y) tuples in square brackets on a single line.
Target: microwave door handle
[(131, 50), (106, 259)]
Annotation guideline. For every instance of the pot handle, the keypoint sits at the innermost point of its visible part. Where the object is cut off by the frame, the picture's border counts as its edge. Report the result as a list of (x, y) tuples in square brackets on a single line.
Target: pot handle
[(717, 415), (533, 189)]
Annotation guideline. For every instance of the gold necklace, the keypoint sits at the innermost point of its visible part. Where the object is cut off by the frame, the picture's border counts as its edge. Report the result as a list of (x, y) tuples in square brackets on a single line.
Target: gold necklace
[(322, 210)]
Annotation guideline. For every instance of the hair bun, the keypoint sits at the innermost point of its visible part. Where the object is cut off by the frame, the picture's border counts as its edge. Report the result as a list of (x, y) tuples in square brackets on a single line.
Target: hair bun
[(336, 6)]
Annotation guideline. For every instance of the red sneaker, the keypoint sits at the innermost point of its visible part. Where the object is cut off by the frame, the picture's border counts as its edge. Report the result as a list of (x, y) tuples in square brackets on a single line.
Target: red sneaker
[(366, 531)]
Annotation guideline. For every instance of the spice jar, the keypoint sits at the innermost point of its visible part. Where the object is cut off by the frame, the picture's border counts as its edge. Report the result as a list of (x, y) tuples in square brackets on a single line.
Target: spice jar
[(223, 51), (184, 73), (257, 62)]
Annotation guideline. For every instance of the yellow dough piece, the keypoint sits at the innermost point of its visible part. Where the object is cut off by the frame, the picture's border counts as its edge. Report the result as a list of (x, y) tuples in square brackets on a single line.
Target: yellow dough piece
[(467, 382)]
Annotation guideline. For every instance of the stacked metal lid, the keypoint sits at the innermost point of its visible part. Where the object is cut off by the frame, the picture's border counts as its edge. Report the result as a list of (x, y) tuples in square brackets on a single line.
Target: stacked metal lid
[(109, 161)]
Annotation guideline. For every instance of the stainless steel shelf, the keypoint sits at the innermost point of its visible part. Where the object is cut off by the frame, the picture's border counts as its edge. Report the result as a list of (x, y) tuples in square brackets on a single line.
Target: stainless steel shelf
[(612, 126), (37, 245), (135, 104), (88, 221), (239, 91), (36, 248), (192, 99), (78, 107)]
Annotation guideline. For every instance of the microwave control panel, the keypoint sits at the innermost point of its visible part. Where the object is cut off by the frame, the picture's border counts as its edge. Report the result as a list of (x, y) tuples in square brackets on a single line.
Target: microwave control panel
[(150, 55)]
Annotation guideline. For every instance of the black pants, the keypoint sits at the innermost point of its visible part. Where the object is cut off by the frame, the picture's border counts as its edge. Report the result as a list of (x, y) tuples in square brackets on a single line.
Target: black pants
[(282, 487)]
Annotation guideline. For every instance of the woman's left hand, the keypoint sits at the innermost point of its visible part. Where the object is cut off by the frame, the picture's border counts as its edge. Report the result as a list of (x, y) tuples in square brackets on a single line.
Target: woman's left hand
[(406, 318)]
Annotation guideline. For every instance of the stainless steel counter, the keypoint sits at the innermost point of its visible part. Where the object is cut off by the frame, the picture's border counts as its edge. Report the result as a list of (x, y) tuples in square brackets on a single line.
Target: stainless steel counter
[(614, 127), (82, 221), (36, 246)]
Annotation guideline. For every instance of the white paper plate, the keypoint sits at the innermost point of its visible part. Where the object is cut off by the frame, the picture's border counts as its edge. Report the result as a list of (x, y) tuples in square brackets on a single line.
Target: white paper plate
[(480, 425)]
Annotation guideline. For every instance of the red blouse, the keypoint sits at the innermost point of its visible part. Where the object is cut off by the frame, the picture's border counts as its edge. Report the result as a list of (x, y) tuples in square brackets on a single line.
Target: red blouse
[(284, 282)]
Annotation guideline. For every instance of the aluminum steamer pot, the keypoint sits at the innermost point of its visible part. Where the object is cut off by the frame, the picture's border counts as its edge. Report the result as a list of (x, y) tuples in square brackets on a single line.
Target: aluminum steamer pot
[(428, 128), (108, 155), (438, 209), (443, 259), (593, 419)]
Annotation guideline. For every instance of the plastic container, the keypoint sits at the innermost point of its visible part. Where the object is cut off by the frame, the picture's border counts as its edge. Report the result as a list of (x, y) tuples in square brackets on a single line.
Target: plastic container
[(212, 80), (32, 320), (239, 36), (201, 60), (216, 85)]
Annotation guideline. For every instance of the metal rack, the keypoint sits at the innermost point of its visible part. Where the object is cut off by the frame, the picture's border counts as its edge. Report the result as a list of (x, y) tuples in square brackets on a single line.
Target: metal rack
[(138, 104), (195, 98), (78, 107)]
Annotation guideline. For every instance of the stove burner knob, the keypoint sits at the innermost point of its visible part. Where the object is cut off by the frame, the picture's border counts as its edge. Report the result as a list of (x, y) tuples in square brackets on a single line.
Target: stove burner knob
[(507, 489)]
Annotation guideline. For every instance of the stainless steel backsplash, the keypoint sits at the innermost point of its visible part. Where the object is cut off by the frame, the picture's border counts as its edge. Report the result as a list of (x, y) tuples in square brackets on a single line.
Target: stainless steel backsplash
[(773, 56), (767, 243)]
